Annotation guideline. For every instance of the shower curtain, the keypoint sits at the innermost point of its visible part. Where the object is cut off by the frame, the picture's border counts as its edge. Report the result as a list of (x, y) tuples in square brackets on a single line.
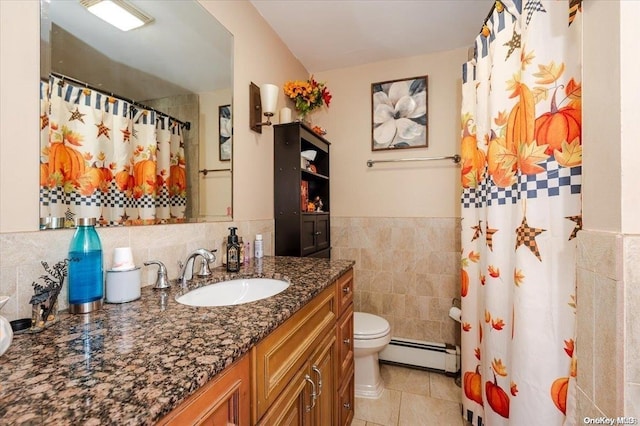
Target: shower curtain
[(104, 157), (521, 209)]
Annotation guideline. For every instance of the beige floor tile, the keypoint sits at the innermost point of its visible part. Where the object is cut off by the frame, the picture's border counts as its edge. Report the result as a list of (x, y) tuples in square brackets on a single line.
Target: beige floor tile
[(383, 411), (405, 379), (419, 410), (444, 387), (358, 422)]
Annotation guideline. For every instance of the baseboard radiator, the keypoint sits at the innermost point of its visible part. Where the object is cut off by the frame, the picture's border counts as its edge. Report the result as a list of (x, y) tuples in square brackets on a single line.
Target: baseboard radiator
[(440, 357)]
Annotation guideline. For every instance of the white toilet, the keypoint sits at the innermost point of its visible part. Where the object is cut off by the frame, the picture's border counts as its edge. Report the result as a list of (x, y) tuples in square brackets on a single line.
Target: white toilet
[(371, 334)]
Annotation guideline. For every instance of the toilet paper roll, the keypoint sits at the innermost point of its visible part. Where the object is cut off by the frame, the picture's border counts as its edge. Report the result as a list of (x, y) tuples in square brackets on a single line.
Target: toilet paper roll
[(455, 313)]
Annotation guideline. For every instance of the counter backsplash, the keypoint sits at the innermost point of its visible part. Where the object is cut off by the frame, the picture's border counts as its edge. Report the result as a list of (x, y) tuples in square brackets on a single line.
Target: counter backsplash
[(22, 252)]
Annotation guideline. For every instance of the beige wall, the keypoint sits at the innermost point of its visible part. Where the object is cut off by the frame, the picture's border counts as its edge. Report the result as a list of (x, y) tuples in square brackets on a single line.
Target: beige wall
[(416, 189), (608, 267), (400, 222)]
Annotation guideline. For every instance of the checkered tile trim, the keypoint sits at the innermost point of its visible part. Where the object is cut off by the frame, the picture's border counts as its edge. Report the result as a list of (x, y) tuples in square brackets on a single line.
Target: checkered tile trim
[(556, 181)]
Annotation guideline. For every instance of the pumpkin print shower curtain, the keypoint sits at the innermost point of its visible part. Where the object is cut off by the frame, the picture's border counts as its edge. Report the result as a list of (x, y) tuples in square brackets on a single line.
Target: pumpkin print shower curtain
[(521, 209), (104, 157)]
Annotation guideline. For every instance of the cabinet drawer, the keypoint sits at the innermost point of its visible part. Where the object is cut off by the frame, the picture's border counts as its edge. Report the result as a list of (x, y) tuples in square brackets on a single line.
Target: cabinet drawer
[(346, 400), (344, 290), (278, 357), (345, 342)]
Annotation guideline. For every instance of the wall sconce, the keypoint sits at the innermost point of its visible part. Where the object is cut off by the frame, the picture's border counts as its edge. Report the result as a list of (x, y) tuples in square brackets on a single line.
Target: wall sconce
[(262, 100)]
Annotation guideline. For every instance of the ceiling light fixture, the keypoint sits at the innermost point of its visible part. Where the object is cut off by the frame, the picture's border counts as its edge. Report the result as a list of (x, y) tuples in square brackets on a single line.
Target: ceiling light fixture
[(118, 13)]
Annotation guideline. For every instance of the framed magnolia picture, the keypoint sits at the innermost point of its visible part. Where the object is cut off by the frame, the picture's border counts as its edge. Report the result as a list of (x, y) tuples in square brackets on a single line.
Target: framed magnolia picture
[(226, 132), (399, 114)]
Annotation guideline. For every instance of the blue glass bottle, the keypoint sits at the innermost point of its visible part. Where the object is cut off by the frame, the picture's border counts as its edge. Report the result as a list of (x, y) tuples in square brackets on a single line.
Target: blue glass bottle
[(86, 288)]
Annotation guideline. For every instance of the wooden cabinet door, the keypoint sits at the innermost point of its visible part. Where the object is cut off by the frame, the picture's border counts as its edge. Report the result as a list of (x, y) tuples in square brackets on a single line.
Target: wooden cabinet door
[(322, 364), (223, 401), (307, 235), (322, 231), (293, 405)]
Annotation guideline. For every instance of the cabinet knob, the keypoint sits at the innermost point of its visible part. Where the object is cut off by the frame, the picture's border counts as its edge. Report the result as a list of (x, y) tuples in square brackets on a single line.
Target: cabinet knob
[(317, 233), (346, 290), (346, 341), (347, 405)]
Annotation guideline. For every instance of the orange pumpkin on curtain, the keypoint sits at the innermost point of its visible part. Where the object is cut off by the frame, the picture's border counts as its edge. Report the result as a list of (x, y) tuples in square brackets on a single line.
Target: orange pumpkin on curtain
[(473, 385), (558, 125), (177, 180), (144, 174), (66, 161), (497, 398), (44, 174)]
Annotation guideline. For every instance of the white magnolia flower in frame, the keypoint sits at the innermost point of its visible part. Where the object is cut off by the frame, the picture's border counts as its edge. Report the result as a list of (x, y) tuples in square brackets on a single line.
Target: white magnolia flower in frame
[(400, 114), (226, 132)]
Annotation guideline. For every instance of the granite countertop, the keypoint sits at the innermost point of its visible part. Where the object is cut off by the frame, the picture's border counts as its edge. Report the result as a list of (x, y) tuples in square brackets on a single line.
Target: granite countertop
[(132, 363)]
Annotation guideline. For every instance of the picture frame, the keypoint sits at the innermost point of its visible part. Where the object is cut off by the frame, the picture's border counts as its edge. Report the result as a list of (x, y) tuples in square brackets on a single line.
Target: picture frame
[(225, 132), (399, 117)]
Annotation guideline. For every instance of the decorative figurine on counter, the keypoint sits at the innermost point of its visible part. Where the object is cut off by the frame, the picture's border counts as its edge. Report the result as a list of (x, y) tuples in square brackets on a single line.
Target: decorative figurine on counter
[(318, 204), (44, 302)]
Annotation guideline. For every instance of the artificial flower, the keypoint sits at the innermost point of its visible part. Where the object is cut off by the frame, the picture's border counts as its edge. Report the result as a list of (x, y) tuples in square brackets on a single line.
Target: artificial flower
[(308, 95)]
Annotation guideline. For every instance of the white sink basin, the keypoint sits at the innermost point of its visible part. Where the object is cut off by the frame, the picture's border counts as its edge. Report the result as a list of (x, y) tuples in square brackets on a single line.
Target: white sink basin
[(233, 292)]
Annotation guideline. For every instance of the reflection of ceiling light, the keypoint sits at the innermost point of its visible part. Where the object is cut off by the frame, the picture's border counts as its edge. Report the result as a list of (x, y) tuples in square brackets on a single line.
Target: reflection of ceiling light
[(118, 13)]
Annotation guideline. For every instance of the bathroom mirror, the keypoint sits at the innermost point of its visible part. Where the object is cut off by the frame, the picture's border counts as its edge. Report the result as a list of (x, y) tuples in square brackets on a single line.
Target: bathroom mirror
[(178, 66)]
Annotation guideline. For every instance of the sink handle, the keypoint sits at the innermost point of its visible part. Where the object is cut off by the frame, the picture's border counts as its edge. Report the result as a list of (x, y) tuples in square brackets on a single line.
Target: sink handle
[(162, 281)]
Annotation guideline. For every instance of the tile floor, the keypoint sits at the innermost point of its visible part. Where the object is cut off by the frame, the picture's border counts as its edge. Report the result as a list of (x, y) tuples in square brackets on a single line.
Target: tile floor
[(411, 398)]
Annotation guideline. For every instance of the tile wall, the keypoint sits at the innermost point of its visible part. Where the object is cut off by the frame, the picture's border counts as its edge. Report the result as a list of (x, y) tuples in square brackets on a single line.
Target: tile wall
[(21, 253), (608, 325), (407, 271)]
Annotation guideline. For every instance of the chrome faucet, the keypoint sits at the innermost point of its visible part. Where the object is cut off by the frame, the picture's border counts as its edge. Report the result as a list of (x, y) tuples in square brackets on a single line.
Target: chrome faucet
[(206, 255)]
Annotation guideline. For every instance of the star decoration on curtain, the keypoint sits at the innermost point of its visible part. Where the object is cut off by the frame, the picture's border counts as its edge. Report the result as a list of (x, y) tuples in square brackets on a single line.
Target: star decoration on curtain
[(44, 121), (575, 6), (513, 44), (477, 230), (578, 221), (533, 6), (126, 135), (102, 130), (526, 235), (490, 232), (77, 115)]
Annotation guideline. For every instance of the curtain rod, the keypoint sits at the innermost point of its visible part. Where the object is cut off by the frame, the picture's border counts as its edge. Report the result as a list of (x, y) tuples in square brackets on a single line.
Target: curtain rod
[(186, 125), (493, 7), (455, 158)]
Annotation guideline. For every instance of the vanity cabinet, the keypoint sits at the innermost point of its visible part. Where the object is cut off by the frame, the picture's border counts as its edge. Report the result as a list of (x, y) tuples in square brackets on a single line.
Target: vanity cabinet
[(300, 374), (300, 230), (222, 401), (345, 357)]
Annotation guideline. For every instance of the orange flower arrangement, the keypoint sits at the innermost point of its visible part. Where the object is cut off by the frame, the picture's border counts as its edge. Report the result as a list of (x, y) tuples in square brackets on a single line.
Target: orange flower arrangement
[(308, 95)]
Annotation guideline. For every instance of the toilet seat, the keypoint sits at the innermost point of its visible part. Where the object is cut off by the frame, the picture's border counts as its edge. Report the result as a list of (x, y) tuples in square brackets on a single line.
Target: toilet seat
[(367, 326)]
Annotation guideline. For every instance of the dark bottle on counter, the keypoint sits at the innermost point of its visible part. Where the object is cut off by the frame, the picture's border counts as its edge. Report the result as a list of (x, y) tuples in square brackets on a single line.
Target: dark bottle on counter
[(86, 288), (233, 251)]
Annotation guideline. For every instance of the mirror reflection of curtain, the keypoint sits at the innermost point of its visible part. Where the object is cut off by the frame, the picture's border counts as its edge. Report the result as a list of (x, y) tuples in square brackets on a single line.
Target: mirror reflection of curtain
[(106, 158)]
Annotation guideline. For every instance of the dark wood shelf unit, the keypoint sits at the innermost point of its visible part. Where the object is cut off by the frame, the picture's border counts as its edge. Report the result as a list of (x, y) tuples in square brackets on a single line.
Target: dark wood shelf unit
[(299, 232)]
